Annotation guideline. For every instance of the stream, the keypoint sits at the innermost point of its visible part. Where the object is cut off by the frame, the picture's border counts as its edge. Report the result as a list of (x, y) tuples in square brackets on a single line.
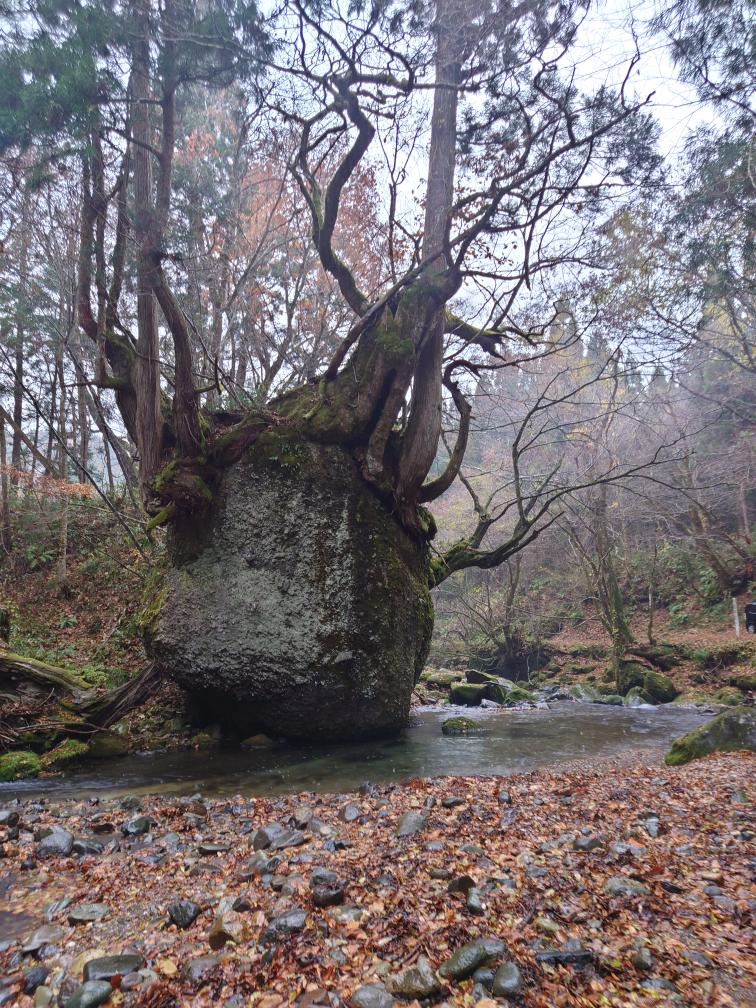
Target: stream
[(507, 742)]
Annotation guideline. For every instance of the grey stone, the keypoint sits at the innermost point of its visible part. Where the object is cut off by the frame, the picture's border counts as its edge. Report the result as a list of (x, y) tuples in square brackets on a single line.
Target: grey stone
[(473, 901), (196, 970), (48, 934), (107, 967), (90, 994), (263, 613), (285, 924), (466, 960), (34, 978), (411, 822), (183, 913), (57, 842), (507, 981), (621, 885), (83, 847), (137, 826), (85, 913), (418, 981), (371, 996)]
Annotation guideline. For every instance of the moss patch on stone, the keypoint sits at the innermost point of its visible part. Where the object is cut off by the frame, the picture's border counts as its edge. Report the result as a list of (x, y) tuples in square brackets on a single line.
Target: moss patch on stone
[(66, 753), (16, 765), (458, 726), (659, 687), (731, 731)]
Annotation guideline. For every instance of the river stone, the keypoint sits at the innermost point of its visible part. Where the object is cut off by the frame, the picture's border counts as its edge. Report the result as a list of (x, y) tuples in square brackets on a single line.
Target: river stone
[(418, 981), (411, 822), (90, 994), (469, 957), (34, 978), (459, 725), (57, 842), (507, 981), (138, 826), (48, 934), (731, 731), (85, 913), (286, 924), (109, 966), (183, 913), (621, 885), (371, 996), (196, 970), (297, 605)]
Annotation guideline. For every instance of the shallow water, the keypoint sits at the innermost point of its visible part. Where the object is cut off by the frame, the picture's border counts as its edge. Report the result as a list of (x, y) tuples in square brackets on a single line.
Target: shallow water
[(507, 742)]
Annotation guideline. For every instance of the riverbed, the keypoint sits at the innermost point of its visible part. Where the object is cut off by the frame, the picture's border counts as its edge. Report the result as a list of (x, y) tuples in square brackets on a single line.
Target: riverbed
[(506, 742)]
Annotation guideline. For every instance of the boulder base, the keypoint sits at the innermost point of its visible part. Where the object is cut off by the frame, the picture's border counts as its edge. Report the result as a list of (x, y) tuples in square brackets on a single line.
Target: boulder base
[(730, 731), (298, 606)]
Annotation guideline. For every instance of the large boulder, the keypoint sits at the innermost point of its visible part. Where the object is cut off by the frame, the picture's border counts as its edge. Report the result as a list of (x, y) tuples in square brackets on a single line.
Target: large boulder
[(730, 731), (659, 687), (297, 606)]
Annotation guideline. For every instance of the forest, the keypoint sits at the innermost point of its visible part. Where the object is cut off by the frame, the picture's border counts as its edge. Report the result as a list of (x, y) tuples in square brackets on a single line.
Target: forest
[(377, 502)]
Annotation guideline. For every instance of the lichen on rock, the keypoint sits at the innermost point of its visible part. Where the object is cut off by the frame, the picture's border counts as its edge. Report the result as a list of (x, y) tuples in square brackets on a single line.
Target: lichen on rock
[(731, 731), (297, 605)]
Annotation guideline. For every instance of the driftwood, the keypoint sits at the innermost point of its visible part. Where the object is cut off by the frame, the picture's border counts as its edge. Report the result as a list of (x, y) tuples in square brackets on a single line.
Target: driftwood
[(34, 687)]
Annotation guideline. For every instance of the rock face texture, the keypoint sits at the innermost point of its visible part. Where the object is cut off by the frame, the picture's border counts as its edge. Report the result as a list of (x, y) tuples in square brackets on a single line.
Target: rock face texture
[(298, 606)]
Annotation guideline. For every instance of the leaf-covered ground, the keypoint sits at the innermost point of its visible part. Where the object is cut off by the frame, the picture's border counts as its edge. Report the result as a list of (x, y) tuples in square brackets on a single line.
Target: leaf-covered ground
[(679, 841)]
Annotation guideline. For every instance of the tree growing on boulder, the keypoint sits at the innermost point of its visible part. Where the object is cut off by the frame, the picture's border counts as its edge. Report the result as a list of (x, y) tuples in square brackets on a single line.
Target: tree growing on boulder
[(297, 598)]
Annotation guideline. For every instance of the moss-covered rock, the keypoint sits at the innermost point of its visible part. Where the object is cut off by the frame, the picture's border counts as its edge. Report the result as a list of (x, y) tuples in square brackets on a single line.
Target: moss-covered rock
[(577, 668), (731, 731), (611, 699), (480, 678), (296, 604), (729, 696), (508, 694), (468, 694), (631, 674), (635, 697), (659, 687), (108, 745), (440, 677), (458, 725), (259, 741), (745, 682), (67, 752), (16, 765), (584, 693)]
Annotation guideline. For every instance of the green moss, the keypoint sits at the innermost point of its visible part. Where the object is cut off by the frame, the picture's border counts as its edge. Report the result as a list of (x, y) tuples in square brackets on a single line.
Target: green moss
[(68, 752), (729, 696), (166, 475), (659, 687), (392, 342), (258, 742), (630, 674), (468, 694), (731, 731), (15, 765), (744, 682), (459, 725), (106, 745)]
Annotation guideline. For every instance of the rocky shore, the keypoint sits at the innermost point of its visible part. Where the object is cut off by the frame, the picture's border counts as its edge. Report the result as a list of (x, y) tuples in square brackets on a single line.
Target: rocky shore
[(602, 886)]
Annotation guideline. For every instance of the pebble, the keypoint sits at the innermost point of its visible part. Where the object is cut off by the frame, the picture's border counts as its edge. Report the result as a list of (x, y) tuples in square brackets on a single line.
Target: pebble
[(109, 966), (57, 842), (572, 953), (507, 981), (643, 960), (473, 902), (466, 960), (48, 934), (34, 978), (411, 822), (90, 994), (197, 969), (371, 996), (418, 981), (183, 913), (621, 885), (85, 913), (137, 826), (285, 924), (350, 812)]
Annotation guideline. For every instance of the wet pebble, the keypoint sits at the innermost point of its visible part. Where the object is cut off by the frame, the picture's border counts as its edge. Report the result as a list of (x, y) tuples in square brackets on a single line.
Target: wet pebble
[(183, 913)]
